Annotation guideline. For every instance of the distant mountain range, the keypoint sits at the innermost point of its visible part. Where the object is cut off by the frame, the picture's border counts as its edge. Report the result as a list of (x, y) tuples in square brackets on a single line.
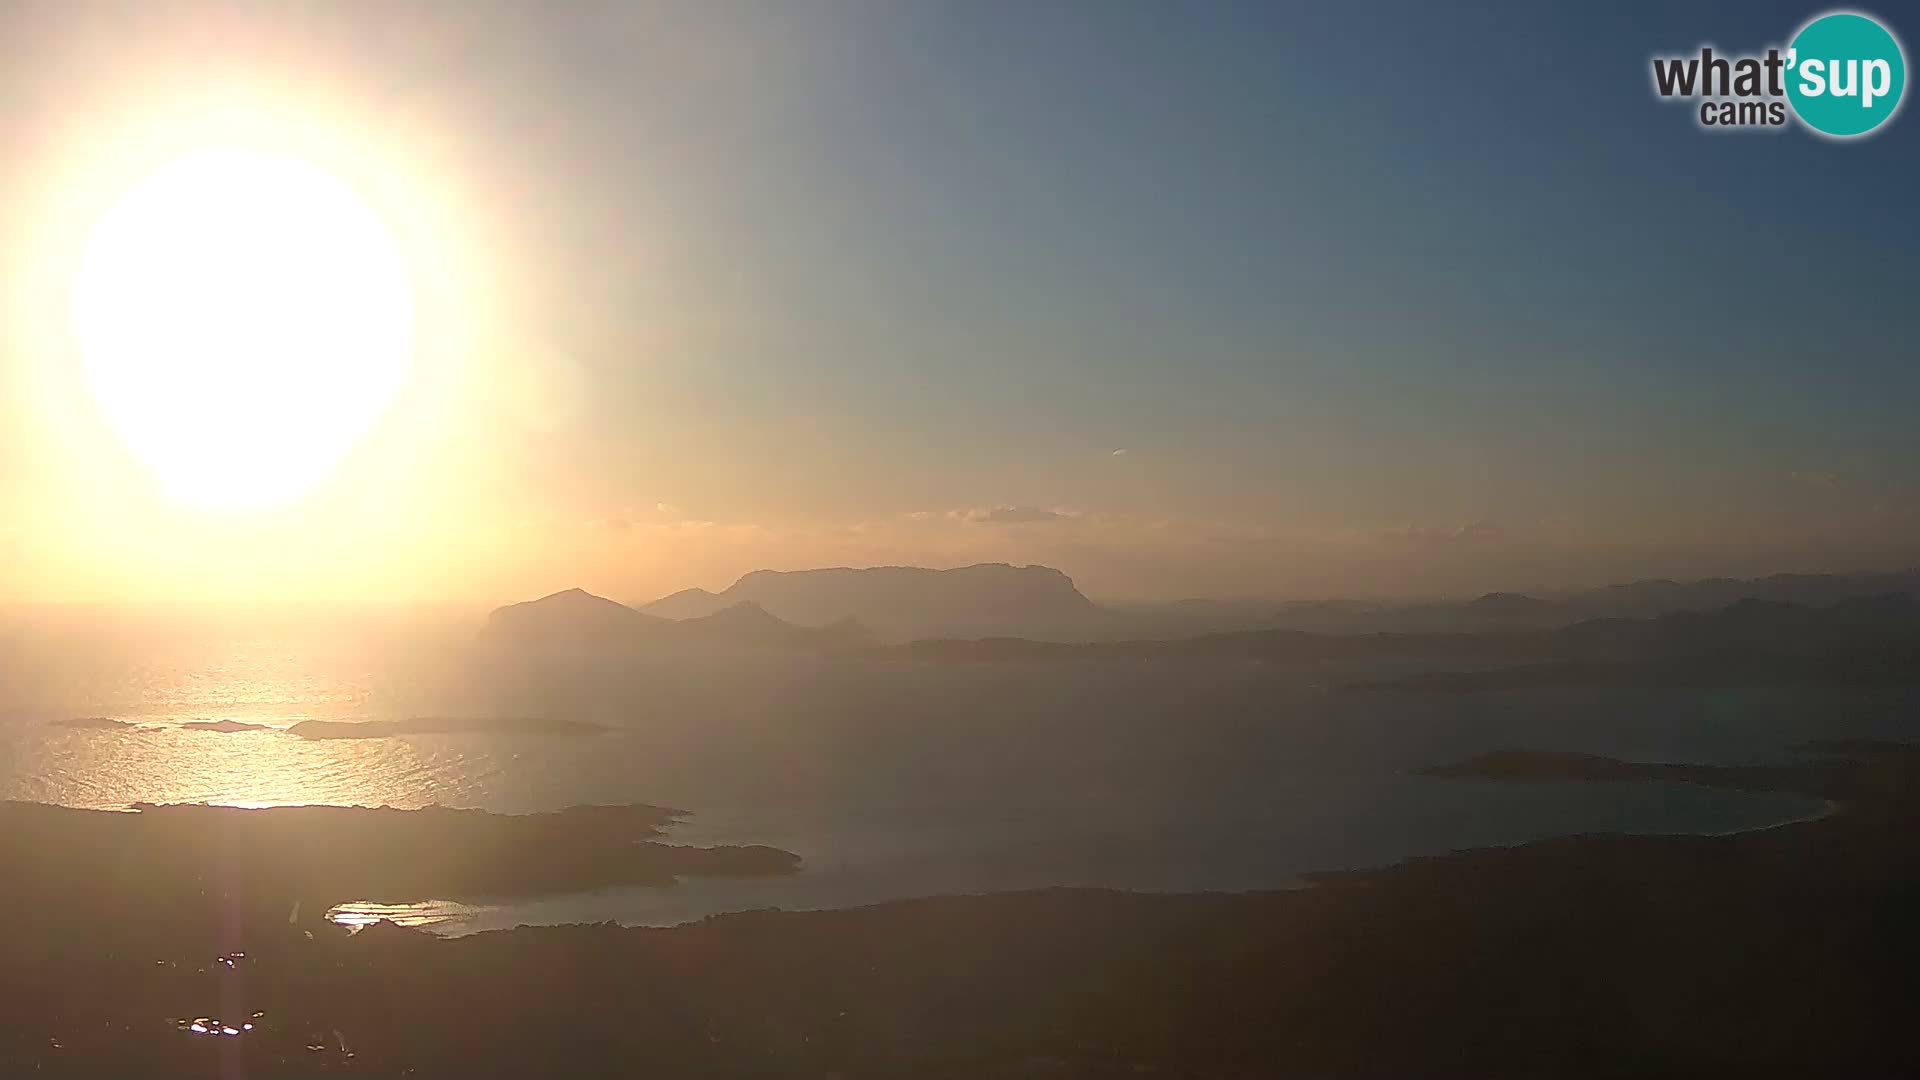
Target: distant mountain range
[(1858, 641), (905, 602), (1659, 596), (1746, 627), (1864, 641), (1508, 610), (580, 621), (995, 611)]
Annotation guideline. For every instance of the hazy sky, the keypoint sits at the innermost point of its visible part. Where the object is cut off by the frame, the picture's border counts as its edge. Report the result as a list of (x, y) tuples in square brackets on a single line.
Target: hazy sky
[(1184, 299)]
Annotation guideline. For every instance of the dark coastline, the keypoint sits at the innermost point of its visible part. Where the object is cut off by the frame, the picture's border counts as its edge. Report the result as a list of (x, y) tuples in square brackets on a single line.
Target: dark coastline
[(1782, 951)]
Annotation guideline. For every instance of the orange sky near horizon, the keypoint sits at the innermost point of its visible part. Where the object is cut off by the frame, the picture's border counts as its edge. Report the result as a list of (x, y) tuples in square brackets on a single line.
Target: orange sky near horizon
[(646, 352)]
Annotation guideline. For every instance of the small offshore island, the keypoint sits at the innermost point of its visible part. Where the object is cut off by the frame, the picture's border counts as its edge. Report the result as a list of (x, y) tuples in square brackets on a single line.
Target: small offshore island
[(224, 727), (139, 939)]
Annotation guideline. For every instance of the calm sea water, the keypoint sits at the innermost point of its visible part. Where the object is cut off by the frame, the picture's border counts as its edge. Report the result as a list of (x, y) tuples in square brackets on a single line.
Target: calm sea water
[(890, 779)]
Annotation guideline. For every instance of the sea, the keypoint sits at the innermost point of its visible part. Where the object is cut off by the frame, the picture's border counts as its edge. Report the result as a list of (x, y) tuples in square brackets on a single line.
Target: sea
[(890, 778)]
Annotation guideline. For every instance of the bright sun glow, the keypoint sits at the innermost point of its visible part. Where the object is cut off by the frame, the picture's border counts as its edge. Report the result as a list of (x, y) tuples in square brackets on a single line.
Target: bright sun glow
[(243, 317)]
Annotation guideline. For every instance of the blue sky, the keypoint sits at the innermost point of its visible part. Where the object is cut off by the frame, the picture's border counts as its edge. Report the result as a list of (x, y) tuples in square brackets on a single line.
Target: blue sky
[(1392, 297)]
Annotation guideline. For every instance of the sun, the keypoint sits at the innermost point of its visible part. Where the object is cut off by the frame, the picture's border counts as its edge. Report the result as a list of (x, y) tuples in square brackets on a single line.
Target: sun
[(243, 318)]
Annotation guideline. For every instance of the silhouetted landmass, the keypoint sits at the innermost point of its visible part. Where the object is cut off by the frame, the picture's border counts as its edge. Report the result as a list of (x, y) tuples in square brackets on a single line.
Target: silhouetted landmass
[(1655, 597), (92, 723), (901, 602), (1852, 747), (1658, 596), (1859, 641), (1779, 952), (322, 855), (1863, 641), (1880, 667), (748, 623), (745, 619), (1506, 605), (1869, 640), (225, 727), (572, 617), (1274, 645), (686, 604), (442, 725), (1504, 611), (1540, 765), (1819, 779), (582, 624), (1749, 626)]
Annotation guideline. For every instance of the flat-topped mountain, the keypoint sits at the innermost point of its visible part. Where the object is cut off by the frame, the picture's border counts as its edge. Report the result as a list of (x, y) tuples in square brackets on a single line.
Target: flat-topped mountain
[(906, 601)]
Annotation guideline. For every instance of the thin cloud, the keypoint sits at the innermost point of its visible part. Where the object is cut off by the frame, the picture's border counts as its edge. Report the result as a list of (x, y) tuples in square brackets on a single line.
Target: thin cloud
[(1814, 478), (1015, 515), (1472, 533)]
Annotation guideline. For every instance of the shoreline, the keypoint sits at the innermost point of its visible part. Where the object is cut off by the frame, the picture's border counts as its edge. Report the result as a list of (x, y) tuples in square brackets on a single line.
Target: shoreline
[(458, 914), (1496, 962), (791, 894)]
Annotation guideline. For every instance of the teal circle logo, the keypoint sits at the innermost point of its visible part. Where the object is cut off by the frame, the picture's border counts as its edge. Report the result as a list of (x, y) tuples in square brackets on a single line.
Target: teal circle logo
[(1845, 74)]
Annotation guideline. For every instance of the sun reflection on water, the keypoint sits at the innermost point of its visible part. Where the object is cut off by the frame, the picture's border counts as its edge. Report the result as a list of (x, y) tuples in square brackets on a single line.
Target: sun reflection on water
[(160, 761), (425, 914), (108, 708)]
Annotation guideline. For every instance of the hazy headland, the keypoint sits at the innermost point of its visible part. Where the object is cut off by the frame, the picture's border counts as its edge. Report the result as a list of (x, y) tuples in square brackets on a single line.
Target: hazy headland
[(1271, 809)]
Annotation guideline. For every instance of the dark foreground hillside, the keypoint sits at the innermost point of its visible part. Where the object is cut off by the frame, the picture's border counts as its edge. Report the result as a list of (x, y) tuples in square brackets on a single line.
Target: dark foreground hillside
[(1787, 951)]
